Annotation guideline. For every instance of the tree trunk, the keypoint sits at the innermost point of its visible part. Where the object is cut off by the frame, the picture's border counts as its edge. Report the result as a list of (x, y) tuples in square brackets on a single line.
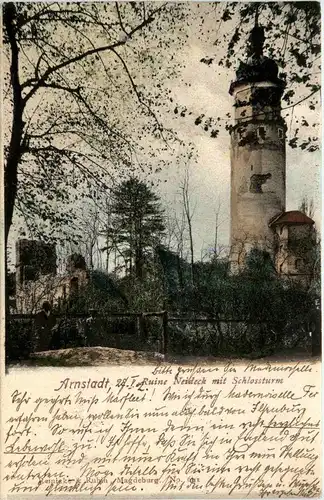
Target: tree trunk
[(188, 214), (15, 149), (108, 252), (191, 250), (138, 248), (139, 262), (15, 146), (216, 236)]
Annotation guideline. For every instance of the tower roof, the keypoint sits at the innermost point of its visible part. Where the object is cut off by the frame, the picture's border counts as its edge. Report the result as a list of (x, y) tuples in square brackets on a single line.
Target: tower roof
[(256, 67), (291, 218)]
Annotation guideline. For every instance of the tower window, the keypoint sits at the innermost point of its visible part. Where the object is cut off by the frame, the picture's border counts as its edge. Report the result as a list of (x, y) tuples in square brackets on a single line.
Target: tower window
[(240, 133), (74, 285), (251, 168), (280, 133), (298, 264), (261, 132)]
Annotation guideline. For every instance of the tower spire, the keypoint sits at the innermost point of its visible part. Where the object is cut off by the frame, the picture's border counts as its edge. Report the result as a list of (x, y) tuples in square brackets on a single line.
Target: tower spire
[(256, 19), (257, 38)]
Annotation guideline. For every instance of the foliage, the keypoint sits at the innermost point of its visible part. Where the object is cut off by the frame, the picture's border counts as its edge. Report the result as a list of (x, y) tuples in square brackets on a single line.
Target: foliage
[(192, 339), (144, 295), (102, 294), (76, 91), (19, 343), (251, 312), (292, 39), (259, 265), (312, 245), (64, 59), (34, 292), (137, 223), (307, 207), (78, 102)]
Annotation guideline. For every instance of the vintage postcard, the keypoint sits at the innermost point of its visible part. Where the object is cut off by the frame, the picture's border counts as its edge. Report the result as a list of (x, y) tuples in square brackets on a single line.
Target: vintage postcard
[(161, 247)]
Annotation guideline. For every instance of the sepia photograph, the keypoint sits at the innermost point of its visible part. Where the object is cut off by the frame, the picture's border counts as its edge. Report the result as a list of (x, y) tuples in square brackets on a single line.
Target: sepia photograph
[(161, 308)]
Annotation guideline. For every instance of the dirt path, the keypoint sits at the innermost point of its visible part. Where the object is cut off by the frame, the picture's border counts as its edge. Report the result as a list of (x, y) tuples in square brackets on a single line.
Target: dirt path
[(103, 356)]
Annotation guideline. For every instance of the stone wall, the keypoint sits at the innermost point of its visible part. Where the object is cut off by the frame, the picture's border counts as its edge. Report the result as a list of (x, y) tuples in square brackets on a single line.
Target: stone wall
[(34, 258), (37, 280)]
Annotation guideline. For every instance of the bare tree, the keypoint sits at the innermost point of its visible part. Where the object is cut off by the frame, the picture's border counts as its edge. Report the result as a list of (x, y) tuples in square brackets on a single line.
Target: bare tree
[(218, 249), (179, 237), (31, 295), (188, 214), (106, 231), (69, 70), (307, 206), (90, 225)]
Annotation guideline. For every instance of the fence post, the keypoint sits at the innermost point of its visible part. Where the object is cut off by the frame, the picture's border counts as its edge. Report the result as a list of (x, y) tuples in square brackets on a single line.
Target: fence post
[(165, 340), (141, 328)]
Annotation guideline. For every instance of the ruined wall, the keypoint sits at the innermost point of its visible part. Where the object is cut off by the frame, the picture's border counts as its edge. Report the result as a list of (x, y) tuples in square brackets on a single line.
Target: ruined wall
[(34, 258), (37, 280), (53, 289)]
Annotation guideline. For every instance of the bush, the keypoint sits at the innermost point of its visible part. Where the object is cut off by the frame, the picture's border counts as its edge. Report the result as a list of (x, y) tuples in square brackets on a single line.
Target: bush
[(193, 338), (19, 339)]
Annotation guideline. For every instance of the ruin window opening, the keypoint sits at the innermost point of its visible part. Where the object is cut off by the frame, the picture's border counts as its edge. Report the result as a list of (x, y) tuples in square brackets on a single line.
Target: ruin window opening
[(261, 132), (298, 263), (74, 285), (280, 133)]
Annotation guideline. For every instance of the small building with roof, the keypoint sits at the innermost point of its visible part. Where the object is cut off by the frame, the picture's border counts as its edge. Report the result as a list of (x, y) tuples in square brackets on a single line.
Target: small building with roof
[(295, 237)]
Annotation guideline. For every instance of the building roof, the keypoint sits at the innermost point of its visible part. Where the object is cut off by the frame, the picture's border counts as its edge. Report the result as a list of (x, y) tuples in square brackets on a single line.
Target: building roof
[(292, 217)]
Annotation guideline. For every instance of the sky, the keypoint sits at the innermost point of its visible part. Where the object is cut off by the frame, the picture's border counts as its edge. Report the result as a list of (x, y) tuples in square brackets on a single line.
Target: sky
[(204, 90)]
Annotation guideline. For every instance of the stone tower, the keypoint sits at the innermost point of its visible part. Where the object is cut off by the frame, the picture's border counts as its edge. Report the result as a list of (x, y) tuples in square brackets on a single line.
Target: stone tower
[(258, 156)]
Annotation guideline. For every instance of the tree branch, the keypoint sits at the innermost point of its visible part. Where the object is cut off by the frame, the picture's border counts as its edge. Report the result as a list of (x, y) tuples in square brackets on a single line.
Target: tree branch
[(120, 20), (140, 100), (301, 100), (14, 150), (50, 71)]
